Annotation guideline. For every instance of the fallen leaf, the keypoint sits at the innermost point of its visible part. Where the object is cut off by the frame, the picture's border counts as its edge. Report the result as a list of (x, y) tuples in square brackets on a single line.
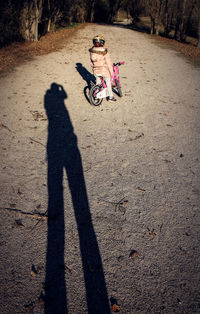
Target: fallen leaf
[(68, 270), (19, 192), (140, 189), (133, 254), (139, 136), (33, 274), (2, 126), (19, 223), (41, 302), (35, 271), (41, 298), (37, 115), (123, 202), (115, 308), (12, 205), (152, 233)]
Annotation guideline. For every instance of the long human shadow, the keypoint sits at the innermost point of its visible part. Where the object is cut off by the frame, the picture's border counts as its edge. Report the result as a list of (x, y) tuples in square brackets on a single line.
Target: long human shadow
[(63, 155)]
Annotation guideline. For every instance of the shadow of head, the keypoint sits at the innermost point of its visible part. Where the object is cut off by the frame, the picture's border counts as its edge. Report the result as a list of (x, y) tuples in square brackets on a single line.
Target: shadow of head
[(54, 100), (57, 91), (79, 66)]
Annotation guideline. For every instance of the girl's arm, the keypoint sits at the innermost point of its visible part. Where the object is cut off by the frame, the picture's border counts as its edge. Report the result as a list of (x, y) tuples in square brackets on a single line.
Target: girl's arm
[(109, 64)]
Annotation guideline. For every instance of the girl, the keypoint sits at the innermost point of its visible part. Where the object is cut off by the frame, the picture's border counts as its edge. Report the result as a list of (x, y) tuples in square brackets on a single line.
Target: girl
[(101, 63)]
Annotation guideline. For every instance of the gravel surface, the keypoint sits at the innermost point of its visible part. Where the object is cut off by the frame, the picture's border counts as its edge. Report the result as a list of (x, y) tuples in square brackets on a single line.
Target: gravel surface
[(100, 205)]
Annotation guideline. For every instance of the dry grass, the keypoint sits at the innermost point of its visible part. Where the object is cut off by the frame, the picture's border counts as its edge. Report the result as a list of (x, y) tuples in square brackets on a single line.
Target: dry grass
[(188, 49), (17, 53)]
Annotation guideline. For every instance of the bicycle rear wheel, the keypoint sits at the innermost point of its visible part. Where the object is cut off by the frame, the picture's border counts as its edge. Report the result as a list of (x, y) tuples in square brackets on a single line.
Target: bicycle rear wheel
[(118, 88), (93, 92)]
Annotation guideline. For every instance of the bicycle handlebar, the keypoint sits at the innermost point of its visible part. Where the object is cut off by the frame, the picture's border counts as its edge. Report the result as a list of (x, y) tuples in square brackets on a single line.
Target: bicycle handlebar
[(119, 63)]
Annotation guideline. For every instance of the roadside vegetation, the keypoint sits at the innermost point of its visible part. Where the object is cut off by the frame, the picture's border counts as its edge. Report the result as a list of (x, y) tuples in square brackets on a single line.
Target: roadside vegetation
[(18, 52), (27, 20)]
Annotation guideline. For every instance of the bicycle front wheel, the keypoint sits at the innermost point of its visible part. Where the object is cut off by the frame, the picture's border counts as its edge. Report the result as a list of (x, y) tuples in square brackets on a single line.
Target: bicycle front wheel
[(93, 92), (118, 88)]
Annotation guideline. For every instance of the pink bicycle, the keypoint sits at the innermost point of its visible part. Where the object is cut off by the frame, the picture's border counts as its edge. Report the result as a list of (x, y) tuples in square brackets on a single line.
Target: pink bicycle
[(98, 92)]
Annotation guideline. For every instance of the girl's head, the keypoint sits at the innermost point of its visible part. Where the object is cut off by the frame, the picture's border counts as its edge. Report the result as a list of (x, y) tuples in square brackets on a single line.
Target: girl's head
[(98, 41)]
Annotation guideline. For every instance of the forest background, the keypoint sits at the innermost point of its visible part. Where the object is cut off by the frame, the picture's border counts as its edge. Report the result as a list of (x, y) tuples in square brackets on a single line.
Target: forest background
[(29, 20)]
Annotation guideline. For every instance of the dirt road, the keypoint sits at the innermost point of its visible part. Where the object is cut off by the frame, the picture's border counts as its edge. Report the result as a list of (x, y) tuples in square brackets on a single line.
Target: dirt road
[(100, 205)]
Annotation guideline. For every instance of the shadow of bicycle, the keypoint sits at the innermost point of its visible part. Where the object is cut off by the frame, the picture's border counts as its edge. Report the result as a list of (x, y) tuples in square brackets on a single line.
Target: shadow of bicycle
[(88, 77)]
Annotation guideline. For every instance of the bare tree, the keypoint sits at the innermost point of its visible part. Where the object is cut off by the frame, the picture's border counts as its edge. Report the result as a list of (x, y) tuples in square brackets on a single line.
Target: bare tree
[(198, 21), (52, 13), (91, 10), (179, 29), (114, 6), (77, 11), (155, 9), (135, 8), (167, 21), (29, 19)]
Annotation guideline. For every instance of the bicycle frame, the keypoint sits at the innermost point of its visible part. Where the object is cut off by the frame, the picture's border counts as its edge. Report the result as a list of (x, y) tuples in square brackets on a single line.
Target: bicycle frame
[(116, 73), (103, 87)]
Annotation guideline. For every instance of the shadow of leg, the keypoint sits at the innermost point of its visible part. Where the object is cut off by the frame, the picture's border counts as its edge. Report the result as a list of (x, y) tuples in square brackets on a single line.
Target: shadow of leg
[(97, 298), (55, 286)]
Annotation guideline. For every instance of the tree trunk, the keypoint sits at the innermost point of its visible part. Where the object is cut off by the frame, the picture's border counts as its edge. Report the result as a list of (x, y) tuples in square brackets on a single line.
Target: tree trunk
[(34, 30), (198, 3), (49, 25), (48, 17), (158, 17), (198, 45), (155, 9), (152, 31), (166, 19), (182, 24), (30, 16), (91, 13), (157, 27), (114, 7)]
